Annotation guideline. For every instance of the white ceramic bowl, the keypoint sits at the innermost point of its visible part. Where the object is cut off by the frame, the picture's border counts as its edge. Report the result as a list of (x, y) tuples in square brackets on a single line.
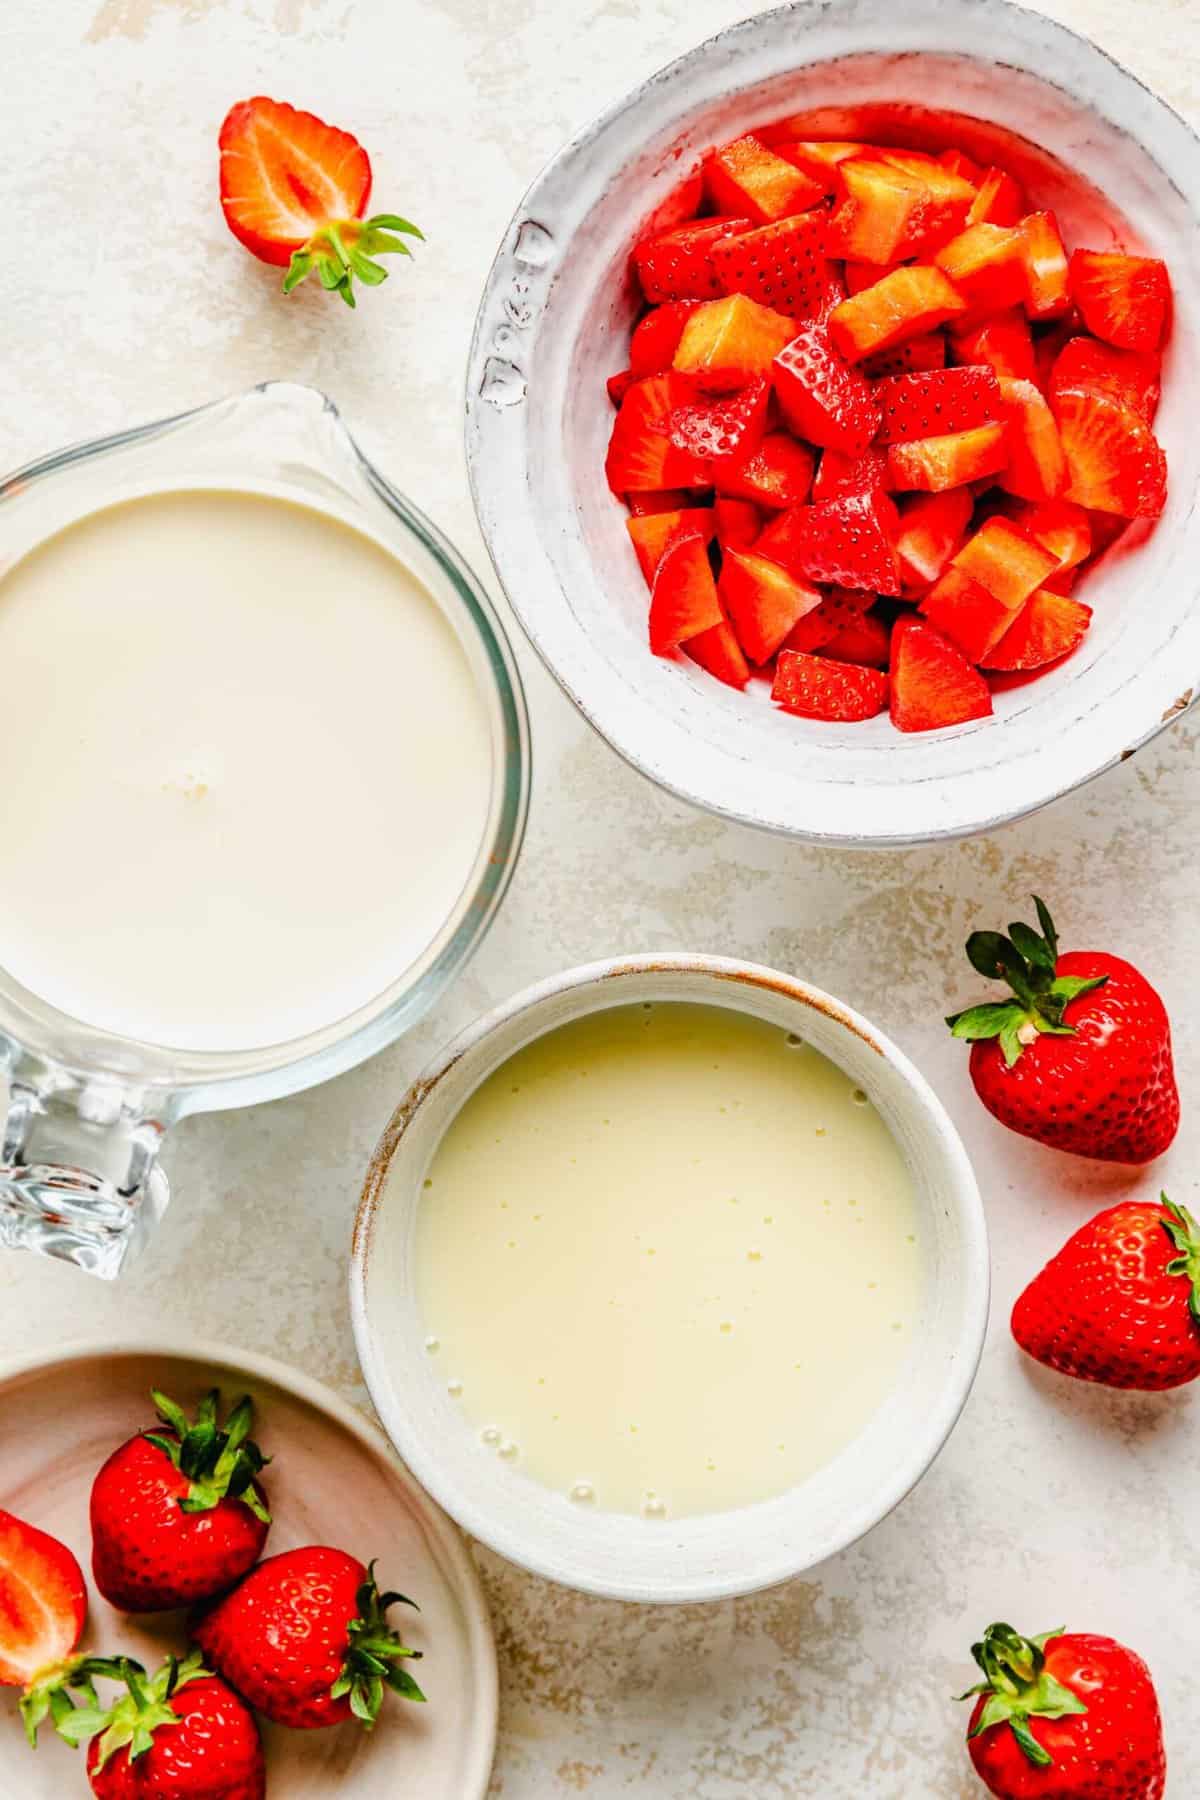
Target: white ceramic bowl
[(732, 1552), (1091, 142)]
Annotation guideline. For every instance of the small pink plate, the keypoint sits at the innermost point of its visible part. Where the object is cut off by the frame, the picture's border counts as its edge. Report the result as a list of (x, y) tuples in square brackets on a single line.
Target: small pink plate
[(332, 1480)]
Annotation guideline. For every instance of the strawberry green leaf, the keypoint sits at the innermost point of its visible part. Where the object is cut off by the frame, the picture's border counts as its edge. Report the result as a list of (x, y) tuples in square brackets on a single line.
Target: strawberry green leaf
[(1184, 1234), (1028, 963), (1047, 925), (393, 222), (219, 1463), (990, 1020), (374, 1656), (1034, 949), (1019, 1688), (342, 249)]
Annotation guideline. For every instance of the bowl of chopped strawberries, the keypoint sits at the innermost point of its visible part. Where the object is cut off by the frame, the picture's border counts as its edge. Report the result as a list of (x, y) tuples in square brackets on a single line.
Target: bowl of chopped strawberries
[(828, 419)]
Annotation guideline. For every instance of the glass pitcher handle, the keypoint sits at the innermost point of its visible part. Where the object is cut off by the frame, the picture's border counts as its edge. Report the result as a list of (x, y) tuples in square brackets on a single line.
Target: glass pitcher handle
[(79, 1173)]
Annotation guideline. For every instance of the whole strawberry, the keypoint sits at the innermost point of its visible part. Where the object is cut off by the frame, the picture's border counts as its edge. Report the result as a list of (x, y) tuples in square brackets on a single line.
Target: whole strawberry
[(176, 1515), (1065, 1716), (1120, 1303), (1080, 1057), (305, 1639)]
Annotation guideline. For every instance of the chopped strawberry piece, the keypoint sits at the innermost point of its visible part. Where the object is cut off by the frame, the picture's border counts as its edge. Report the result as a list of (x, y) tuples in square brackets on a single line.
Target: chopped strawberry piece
[(738, 522), (656, 337), (718, 651), (619, 385), (967, 613), (933, 685), (999, 200), (847, 541), (1060, 526), (935, 403), (880, 208), (664, 500), (684, 599), (813, 687), (1036, 468), (775, 475), (867, 639), (821, 397), (1124, 300), (986, 263), (934, 464), (1114, 462), (784, 266), (1048, 628), (1003, 342), (727, 342), (904, 304), (1129, 376), (945, 200), (932, 527), (654, 531), (1047, 287), (819, 161), (1004, 561), (719, 429), (841, 610), (838, 474), (640, 452), (679, 264), (763, 601), (913, 357), (746, 177)]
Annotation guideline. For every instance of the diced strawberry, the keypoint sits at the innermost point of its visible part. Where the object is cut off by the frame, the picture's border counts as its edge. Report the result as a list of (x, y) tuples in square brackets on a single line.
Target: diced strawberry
[(1048, 628), (838, 474), (904, 304), (935, 403), (1006, 562), (718, 651), (1047, 288), (746, 177), (839, 612), (1124, 300), (959, 163), (819, 161), (684, 599), (945, 201), (764, 601), (867, 639), (910, 358), (652, 532), (738, 522), (619, 385), (821, 397), (967, 613), (813, 687), (656, 337), (775, 475), (1130, 376), (1004, 342), (1114, 462), (784, 266), (847, 541), (999, 200), (860, 275), (720, 429), (934, 464), (986, 264), (932, 683), (1036, 468), (640, 452), (1061, 527), (664, 500), (879, 210), (727, 342), (679, 265), (932, 527)]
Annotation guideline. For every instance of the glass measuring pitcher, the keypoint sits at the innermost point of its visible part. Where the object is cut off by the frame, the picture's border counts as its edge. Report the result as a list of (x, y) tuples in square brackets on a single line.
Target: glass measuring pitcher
[(86, 1108)]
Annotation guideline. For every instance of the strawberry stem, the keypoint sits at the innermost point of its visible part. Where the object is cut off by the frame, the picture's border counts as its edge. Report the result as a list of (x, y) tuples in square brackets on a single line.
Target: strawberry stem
[(219, 1463), (375, 1655), (1019, 1688), (132, 1720), (343, 248), (1028, 962), (1184, 1234)]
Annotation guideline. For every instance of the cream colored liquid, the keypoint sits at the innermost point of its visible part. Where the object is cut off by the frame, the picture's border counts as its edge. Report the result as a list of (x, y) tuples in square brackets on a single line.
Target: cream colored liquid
[(245, 764), (668, 1260)]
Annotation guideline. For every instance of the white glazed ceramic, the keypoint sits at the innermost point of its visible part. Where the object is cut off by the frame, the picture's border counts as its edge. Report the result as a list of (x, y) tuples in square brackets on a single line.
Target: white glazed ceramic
[(333, 1479), (554, 322), (723, 1553)]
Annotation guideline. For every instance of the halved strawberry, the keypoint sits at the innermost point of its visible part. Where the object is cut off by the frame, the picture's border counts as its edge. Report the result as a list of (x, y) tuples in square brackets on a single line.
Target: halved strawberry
[(998, 201), (1130, 376), (777, 474), (1060, 526), (656, 337), (1114, 462), (785, 267), (1124, 300), (679, 265), (1003, 342), (763, 601), (904, 304), (294, 191), (935, 403), (866, 639), (1047, 628), (652, 533), (738, 522), (986, 264), (1036, 468), (838, 474), (1047, 287), (727, 342), (932, 527), (814, 687), (847, 541), (43, 1605), (684, 599), (821, 397), (932, 684), (718, 651), (820, 160), (719, 429), (913, 357), (936, 463), (747, 177), (640, 452)]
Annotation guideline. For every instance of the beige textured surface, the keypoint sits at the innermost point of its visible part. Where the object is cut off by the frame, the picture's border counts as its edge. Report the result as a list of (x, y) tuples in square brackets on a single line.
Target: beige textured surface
[(1052, 1503)]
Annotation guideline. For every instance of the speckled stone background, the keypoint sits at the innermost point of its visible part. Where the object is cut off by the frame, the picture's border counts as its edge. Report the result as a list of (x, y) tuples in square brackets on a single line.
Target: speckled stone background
[(122, 297)]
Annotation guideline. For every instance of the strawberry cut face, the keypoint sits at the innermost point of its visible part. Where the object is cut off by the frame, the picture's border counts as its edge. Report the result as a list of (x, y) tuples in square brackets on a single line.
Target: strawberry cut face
[(285, 173), (1114, 462), (1125, 300)]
